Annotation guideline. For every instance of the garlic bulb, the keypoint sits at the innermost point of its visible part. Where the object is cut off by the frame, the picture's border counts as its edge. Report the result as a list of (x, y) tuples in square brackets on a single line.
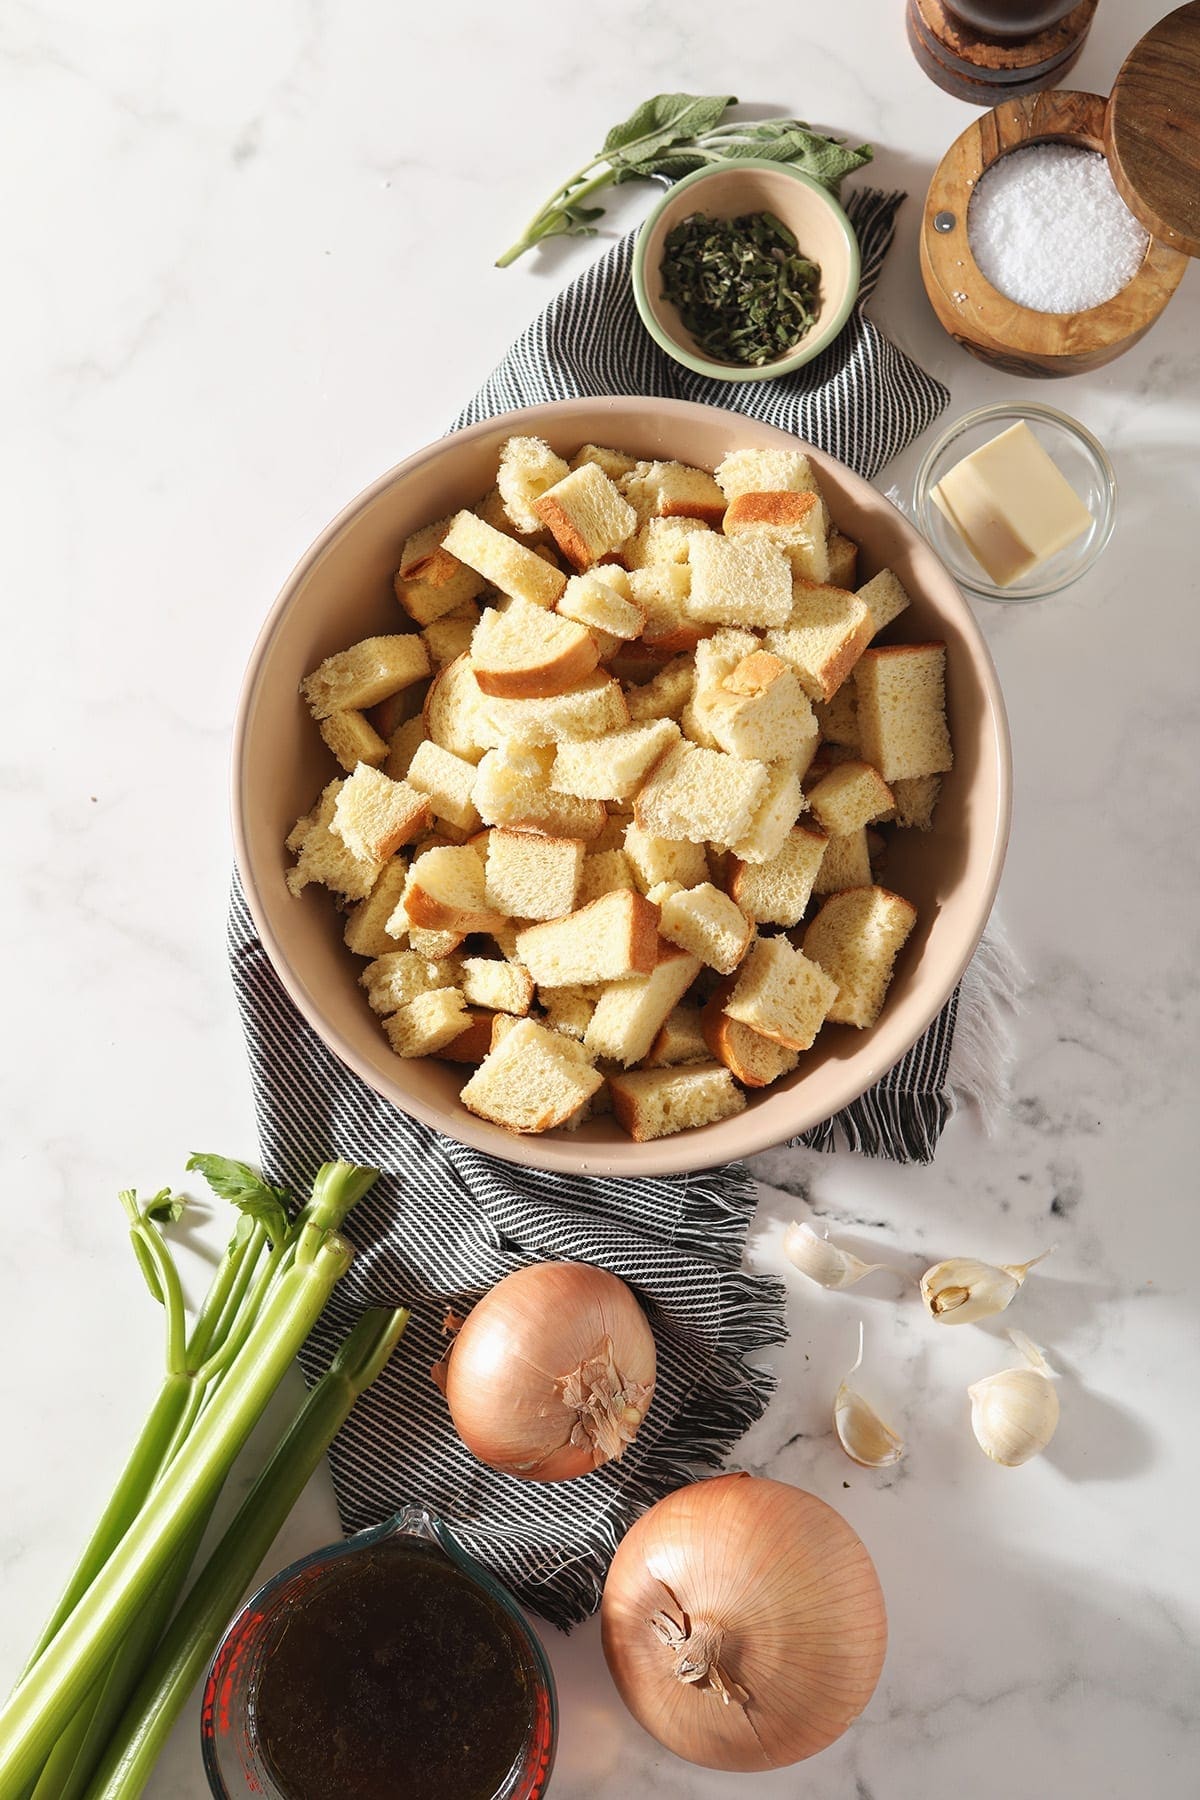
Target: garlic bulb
[(1014, 1413), (860, 1430), (822, 1261), (958, 1291)]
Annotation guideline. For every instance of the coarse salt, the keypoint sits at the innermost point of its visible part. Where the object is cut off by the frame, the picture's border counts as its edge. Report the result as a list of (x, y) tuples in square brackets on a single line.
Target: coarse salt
[(1050, 231)]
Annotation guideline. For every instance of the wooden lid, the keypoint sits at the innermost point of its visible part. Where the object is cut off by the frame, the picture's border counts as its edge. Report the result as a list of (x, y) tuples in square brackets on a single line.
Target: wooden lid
[(1152, 131)]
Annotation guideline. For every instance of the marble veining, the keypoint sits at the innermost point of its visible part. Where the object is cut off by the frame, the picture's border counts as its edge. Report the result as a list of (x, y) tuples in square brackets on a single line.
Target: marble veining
[(248, 266)]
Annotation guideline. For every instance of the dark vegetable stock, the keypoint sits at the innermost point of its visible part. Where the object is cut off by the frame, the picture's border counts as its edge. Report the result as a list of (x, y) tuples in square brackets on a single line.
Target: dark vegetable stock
[(396, 1675)]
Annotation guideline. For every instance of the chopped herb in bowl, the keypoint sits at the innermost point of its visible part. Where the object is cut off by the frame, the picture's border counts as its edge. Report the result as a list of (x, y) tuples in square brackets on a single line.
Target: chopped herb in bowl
[(742, 287)]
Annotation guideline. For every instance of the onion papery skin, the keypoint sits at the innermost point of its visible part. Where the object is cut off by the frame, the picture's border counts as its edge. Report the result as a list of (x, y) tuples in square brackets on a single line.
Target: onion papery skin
[(797, 1596), (518, 1343)]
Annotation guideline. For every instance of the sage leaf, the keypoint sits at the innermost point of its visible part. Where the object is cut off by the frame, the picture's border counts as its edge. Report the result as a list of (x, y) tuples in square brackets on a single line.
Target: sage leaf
[(664, 120)]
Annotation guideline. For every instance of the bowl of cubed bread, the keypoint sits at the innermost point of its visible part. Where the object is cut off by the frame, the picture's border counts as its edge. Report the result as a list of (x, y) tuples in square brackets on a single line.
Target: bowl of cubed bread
[(620, 786)]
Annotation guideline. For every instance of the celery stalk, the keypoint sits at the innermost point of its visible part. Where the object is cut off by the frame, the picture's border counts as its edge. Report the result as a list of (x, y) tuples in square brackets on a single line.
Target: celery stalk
[(47, 1697), (198, 1626)]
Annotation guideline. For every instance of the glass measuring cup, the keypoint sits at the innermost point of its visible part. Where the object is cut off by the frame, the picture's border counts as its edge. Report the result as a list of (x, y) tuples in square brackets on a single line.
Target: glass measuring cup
[(234, 1757)]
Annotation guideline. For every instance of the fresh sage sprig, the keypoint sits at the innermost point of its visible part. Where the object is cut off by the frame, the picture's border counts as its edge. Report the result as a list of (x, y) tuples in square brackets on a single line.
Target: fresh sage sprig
[(672, 135), (742, 286)]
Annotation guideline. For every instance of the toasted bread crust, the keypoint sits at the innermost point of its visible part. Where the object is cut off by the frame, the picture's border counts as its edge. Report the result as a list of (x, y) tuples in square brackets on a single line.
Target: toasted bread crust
[(544, 680), (770, 509), (473, 1044), (426, 910), (710, 512)]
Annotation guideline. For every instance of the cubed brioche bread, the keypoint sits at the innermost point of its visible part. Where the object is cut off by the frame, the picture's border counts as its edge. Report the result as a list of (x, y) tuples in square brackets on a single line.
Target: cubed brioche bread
[(737, 581), (398, 976), (658, 541), (374, 815), (843, 560), (759, 710), (655, 859), (902, 710), (720, 654), (708, 924), (774, 816), (427, 1024), (447, 781), (654, 1103), (852, 794), (436, 945), (884, 598), (366, 932), (673, 490), (845, 864), (590, 709), (445, 891), (586, 515), (368, 672), (615, 766), (530, 1081), (856, 938), (323, 857), (604, 872), (782, 994), (529, 653), (569, 1009), (629, 1014), (402, 747), (502, 986), (514, 569), (505, 795), (797, 524), (665, 695), (594, 600), (827, 632), (700, 795), (752, 1059), (915, 797), (765, 472), (678, 1040), (528, 466), (837, 719), (449, 638), (453, 713), (532, 876), (353, 739), (610, 939), (430, 583), (777, 892), (615, 463), (474, 1040)]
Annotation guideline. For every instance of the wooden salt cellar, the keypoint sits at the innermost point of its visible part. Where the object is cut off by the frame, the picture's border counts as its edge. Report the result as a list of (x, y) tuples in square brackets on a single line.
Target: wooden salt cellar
[(1150, 132), (972, 55)]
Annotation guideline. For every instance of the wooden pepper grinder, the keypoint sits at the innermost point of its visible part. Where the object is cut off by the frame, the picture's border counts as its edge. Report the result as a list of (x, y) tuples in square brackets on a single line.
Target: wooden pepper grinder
[(986, 51)]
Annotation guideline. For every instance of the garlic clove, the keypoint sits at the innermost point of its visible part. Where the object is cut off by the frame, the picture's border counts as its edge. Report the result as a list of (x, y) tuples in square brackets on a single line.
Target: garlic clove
[(1014, 1413), (822, 1260), (860, 1430), (964, 1289)]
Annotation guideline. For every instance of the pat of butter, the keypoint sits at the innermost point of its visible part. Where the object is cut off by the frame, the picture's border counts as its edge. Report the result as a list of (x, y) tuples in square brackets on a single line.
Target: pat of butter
[(1011, 504)]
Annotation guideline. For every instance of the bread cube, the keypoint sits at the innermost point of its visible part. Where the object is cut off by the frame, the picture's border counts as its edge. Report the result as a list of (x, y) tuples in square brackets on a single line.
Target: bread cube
[(453, 712), (720, 654), (782, 994), (654, 1103), (527, 652), (504, 795), (843, 560), (915, 797), (738, 583), (902, 710), (615, 463), (826, 634), (448, 781), (679, 1040), (765, 472), (445, 891), (845, 864), (586, 515), (665, 695), (701, 794), (884, 598), (369, 671), (398, 976), (530, 1081), (608, 940), (402, 747), (448, 638), (353, 739), (594, 707), (629, 1014), (777, 891), (752, 1059), (613, 767), (374, 815), (510, 566), (503, 986), (797, 524), (760, 710), (605, 872), (708, 924), (528, 466), (856, 938), (673, 490), (322, 856), (661, 590), (366, 932), (837, 719), (531, 876), (430, 581), (569, 1009), (656, 859), (660, 541), (852, 794), (595, 601), (437, 946), (427, 1024)]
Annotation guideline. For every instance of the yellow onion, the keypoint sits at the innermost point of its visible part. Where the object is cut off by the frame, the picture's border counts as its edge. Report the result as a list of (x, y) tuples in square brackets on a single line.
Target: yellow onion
[(550, 1374), (743, 1623)]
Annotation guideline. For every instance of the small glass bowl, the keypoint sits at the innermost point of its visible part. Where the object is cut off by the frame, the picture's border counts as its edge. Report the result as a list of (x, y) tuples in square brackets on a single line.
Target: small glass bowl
[(1071, 447)]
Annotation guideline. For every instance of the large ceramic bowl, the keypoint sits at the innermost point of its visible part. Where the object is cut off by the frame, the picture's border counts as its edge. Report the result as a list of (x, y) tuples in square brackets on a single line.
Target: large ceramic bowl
[(341, 591)]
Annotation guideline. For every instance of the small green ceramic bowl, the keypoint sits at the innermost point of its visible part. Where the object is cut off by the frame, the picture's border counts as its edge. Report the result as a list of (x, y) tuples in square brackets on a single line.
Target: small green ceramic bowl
[(822, 230)]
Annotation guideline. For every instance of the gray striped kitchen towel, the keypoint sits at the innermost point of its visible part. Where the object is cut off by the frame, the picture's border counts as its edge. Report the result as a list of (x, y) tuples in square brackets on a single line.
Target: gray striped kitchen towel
[(445, 1222)]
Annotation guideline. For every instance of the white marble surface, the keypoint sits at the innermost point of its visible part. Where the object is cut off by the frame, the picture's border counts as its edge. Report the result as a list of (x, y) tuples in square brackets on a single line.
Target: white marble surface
[(247, 267)]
